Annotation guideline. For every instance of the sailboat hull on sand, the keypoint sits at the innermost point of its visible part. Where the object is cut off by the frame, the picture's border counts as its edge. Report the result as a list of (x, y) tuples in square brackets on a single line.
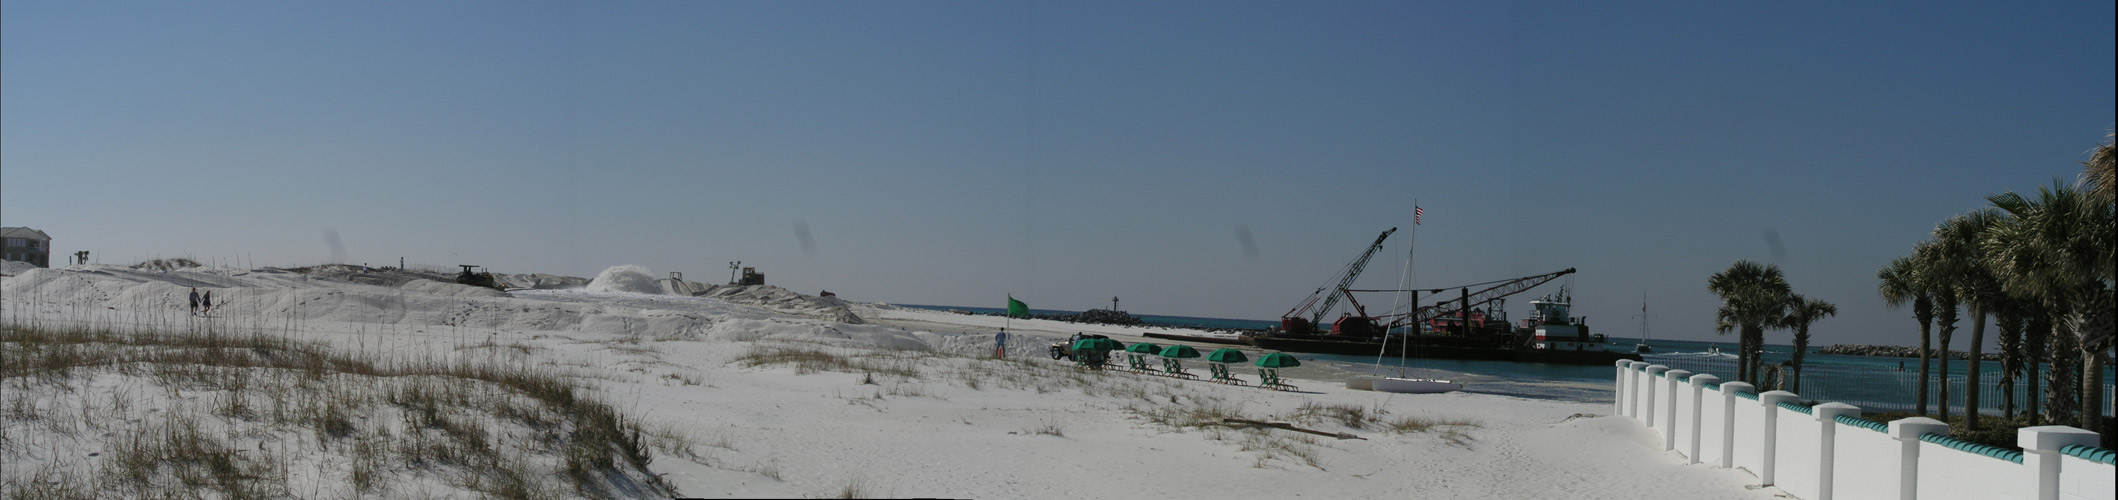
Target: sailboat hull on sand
[(1414, 385)]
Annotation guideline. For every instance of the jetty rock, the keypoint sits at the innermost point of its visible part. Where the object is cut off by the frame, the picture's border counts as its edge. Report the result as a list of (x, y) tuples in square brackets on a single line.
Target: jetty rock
[(1893, 351), (1097, 316)]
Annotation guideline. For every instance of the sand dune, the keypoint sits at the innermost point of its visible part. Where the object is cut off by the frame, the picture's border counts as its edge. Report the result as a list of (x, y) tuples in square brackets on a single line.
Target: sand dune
[(748, 400)]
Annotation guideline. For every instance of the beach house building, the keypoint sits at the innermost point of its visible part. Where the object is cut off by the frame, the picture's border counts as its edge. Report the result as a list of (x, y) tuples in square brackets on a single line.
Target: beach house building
[(27, 245)]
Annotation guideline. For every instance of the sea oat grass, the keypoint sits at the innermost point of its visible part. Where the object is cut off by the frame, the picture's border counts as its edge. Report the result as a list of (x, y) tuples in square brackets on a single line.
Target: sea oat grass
[(208, 413)]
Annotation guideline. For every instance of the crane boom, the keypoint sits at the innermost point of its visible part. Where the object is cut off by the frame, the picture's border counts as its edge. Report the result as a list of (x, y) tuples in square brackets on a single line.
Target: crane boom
[(1478, 298), (1294, 320)]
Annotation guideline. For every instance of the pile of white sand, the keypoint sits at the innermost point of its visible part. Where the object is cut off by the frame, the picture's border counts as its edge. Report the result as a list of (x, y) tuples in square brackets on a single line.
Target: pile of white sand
[(787, 301), (627, 278), (12, 268)]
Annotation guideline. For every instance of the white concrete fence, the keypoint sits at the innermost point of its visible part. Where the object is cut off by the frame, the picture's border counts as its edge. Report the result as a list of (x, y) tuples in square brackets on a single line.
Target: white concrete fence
[(1828, 452)]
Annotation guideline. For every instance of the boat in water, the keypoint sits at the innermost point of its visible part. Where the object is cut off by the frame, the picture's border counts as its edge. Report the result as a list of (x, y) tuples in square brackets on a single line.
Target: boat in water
[(1556, 337), (1470, 326), (1549, 335)]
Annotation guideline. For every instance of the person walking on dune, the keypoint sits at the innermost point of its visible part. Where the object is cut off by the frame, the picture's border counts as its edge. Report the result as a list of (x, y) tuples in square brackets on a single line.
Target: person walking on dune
[(206, 301), (194, 301)]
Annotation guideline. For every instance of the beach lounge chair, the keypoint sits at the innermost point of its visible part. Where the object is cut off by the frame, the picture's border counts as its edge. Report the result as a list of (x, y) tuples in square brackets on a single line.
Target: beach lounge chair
[(1094, 360), (1221, 375), (1137, 363), (1175, 368), (1270, 379)]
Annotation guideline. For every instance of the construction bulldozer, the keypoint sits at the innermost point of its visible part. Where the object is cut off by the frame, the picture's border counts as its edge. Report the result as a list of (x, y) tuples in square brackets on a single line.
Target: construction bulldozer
[(477, 278)]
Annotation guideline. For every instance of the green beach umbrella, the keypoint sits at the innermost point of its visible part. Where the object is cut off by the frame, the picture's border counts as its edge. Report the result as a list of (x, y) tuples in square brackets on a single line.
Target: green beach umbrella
[(1096, 344), (1180, 352), (1278, 360), (1227, 355), (1144, 348)]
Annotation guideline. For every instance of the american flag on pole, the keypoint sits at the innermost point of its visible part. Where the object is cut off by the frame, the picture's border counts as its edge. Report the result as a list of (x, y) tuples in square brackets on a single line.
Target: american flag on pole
[(1416, 212)]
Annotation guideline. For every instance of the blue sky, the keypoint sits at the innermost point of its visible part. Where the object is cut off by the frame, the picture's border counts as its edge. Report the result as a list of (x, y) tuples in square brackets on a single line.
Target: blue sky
[(1068, 152)]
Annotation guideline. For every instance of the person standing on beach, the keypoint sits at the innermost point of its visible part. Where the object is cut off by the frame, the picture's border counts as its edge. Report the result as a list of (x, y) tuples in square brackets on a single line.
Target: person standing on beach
[(1000, 344), (207, 301), (194, 301)]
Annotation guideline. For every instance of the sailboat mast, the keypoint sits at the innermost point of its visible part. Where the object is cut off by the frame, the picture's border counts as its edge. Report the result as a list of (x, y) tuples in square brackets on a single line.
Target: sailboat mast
[(1411, 270), (1403, 276), (1642, 347)]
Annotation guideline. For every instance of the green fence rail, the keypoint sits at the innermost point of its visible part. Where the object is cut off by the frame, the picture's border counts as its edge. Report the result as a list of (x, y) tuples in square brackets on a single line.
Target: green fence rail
[(1962, 445), (2091, 453), (1863, 423)]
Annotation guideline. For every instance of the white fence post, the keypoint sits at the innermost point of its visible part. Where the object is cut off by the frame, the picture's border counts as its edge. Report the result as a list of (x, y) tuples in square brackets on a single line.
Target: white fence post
[(1907, 432), (1669, 420), (1771, 401), (1728, 420), (2040, 454), (1625, 366), (1638, 381), (1653, 374), (1698, 402), (1827, 416)]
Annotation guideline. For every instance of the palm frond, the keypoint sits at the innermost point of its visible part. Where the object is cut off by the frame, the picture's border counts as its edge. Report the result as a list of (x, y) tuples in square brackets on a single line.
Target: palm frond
[(2096, 174)]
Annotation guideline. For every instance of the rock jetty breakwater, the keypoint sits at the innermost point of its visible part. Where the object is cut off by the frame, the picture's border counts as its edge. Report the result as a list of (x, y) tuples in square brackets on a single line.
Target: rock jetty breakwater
[(1098, 316), (1892, 351)]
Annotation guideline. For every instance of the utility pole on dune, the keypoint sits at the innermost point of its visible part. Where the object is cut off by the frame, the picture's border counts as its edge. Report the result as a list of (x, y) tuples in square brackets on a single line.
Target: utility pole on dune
[(1114, 304), (732, 267)]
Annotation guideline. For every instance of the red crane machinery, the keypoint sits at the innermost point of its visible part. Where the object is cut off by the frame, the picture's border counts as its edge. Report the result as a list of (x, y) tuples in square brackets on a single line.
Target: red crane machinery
[(1307, 315), (1310, 312), (1469, 300)]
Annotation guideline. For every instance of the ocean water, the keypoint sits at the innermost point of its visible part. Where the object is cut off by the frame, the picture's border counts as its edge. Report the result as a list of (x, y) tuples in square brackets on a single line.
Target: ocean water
[(1872, 383)]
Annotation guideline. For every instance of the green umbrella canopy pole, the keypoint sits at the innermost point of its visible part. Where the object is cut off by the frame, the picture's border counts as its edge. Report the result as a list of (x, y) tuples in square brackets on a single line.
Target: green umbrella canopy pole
[(1180, 351)]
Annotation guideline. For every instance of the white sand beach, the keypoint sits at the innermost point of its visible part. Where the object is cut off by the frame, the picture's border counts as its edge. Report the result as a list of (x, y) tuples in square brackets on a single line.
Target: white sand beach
[(743, 400)]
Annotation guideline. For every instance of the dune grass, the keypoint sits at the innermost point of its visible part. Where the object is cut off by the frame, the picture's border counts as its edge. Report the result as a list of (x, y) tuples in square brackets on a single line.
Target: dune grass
[(169, 264), (255, 415)]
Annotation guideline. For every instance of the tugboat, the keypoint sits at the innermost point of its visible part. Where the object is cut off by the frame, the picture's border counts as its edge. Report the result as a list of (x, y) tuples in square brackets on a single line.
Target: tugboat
[(1559, 338)]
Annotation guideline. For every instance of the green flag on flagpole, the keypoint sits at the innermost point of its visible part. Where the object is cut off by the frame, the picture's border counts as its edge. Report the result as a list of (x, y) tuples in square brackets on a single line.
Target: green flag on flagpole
[(1017, 308)]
